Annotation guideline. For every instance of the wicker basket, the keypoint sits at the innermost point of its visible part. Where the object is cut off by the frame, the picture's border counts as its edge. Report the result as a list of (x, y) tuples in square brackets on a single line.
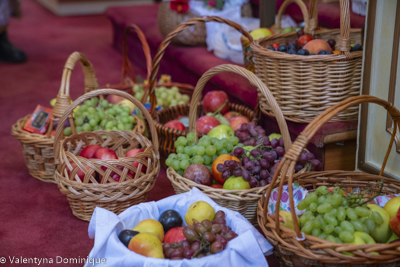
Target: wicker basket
[(83, 196), (38, 149), (313, 251), (243, 201), (169, 19), (168, 135), (246, 42), (305, 86)]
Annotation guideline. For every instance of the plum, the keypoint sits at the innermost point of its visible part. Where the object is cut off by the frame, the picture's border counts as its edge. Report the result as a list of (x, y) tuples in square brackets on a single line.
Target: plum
[(198, 173)]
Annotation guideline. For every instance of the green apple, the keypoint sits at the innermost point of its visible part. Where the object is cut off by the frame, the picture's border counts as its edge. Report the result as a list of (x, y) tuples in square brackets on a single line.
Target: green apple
[(392, 238), (392, 206), (221, 131), (382, 232), (261, 33), (274, 136)]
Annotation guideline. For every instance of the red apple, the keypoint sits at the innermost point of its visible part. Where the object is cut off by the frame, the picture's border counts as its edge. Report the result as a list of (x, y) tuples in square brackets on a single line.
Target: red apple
[(174, 235), (80, 173), (132, 153), (206, 123), (114, 99), (214, 100), (116, 176), (395, 223), (175, 124), (231, 114), (89, 151), (236, 122), (105, 153)]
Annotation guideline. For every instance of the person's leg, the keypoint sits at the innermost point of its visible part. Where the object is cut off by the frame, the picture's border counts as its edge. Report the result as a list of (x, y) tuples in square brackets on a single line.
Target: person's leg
[(8, 52)]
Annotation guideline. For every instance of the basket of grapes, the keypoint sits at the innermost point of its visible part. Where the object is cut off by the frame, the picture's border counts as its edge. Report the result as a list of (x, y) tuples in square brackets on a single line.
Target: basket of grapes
[(135, 85), (231, 167), (182, 230), (324, 66), (38, 142), (172, 122), (112, 169), (339, 224)]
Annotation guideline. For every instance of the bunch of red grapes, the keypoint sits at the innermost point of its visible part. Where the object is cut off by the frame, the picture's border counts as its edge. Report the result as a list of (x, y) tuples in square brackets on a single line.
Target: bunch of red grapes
[(202, 239), (258, 165)]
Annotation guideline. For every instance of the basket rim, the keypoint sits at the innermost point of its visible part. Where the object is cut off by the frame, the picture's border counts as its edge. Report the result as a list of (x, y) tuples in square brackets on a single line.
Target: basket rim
[(289, 233), (259, 49)]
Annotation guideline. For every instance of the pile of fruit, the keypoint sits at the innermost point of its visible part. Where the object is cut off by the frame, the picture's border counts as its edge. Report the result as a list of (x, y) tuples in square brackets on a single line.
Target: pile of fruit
[(95, 114), (206, 233), (340, 217), (165, 97), (306, 45), (103, 153)]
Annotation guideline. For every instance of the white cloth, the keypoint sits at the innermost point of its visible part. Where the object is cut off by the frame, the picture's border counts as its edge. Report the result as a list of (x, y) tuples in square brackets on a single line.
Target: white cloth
[(248, 249)]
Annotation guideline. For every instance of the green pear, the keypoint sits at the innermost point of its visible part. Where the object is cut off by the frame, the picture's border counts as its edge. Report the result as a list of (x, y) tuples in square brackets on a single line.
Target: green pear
[(382, 232)]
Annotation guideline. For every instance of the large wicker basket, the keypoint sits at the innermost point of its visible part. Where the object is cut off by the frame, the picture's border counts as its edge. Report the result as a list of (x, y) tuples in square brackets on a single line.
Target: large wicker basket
[(246, 42), (38, 149), (86, 194), (168, 135), (243, 201), (305, 86), (293, 248), (169, 19)]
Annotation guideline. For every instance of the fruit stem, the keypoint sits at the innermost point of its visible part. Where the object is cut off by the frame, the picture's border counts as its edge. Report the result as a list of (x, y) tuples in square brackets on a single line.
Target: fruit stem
[(220, 108), (360, 202)]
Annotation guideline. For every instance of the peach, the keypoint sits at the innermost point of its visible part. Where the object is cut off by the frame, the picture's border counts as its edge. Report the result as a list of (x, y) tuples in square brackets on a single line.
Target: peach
[(316, 45), (236, 122)]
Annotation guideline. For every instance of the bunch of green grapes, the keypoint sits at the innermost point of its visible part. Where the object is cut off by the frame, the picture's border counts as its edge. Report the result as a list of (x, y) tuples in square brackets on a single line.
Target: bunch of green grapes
[(165, 97), (95, 115), (331, 216), (204, 152)]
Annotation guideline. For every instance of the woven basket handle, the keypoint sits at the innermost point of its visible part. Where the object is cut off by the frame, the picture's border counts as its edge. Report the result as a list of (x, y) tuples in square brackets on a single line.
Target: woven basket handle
[(167, 41), (254, 80), (303, 9), (290, 158), (98, 92), (127, 69), (63, 100), (344, 41)]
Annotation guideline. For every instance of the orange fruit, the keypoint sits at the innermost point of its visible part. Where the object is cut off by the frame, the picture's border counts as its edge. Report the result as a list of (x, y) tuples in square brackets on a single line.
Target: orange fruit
[(221, 159)]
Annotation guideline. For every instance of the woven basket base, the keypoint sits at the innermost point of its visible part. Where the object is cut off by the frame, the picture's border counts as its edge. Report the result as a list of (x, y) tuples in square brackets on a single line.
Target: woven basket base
[(84, 209)]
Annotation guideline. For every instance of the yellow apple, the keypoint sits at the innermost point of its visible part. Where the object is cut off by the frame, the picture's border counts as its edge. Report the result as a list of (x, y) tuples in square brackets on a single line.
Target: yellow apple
[(261, 33), (285, 219), (147, 244), (150, 226), (199, 211), (392, 206), (382, 232)]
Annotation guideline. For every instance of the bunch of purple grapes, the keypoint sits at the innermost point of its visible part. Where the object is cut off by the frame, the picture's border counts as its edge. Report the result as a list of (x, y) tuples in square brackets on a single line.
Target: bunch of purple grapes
[(202, 239), (251, 135)]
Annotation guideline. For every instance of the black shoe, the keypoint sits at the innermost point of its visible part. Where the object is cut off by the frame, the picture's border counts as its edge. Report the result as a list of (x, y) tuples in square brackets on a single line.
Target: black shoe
[(8, 52)]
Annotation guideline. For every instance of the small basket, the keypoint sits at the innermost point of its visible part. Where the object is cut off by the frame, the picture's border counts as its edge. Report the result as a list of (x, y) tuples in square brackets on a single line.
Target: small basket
[(313, 251), (196, 35), (242, 201), (168, 135), (305, 86), (246, 42), (83, 196), (38, 149)]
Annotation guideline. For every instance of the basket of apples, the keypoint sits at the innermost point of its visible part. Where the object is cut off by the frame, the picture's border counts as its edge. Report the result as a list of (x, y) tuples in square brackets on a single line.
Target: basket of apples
[(172, 122), (113, 169), (306, 73), (231, 167), (182, 230), (339, 224), (37, 146)]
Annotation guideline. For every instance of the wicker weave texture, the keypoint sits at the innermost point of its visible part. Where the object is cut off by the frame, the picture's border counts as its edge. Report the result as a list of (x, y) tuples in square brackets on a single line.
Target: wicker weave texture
[(305, 86), (196, 35), (134, 182), (315, 251), (38, 149), (243, 201)]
